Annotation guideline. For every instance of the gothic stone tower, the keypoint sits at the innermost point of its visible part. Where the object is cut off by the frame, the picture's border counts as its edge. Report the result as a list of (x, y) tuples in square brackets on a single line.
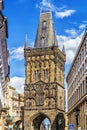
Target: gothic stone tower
[(44, 81)]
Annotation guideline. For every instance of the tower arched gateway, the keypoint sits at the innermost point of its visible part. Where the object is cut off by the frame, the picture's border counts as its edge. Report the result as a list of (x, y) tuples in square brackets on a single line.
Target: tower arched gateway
[(44, 81)]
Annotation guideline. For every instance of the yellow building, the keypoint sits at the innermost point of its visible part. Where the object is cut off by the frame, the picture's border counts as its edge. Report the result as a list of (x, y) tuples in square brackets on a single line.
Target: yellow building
[(77, 87)]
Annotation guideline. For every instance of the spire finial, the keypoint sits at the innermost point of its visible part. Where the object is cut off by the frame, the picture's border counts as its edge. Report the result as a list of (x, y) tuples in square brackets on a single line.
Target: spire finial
[(63, 49), (26, 41)]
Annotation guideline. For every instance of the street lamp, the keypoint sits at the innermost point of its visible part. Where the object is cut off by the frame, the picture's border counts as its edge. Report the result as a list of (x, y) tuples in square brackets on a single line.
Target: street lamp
[(77, 110)]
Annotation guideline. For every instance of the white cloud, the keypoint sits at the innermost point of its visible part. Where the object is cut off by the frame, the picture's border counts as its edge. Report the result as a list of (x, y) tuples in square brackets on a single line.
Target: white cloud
[(71, 45), (64, 13), (18, 83), (60, 12), (72, 32), (82, 26), (70, 55), (17, 53), (45, 3)]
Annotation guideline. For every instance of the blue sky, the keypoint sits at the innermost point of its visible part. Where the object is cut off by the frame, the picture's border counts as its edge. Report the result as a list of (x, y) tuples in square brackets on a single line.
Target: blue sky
[(70, 22)]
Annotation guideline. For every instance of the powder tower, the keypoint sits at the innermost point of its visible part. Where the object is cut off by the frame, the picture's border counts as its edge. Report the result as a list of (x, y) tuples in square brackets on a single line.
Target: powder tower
[(44, 78)]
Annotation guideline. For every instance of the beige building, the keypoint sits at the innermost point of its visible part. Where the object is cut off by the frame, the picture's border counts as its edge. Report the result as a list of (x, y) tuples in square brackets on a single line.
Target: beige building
[(14, 102), (77, 87), (44, 92)]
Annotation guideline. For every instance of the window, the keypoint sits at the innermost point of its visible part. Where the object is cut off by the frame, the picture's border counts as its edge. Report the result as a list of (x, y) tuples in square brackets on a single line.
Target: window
[(83, 87), (42, 41), (46, 74), (17, 113), (85, 49), (44, 23), (86, 65), (36, 74), (86, 84), (82, 53)]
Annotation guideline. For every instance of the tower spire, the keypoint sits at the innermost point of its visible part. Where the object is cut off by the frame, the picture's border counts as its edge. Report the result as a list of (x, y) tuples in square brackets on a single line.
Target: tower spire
[(63, 49), (26, 41), (45, 36)]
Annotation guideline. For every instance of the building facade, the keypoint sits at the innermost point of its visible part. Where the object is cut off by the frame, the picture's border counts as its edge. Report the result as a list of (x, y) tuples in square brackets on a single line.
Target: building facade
[(77, 87), (44, 82), (14, 102), (1, 5), (4, 67)]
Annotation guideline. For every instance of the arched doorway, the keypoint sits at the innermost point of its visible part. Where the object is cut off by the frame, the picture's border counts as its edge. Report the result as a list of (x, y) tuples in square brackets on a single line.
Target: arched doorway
[(41, 122), (17, 125), (60, 124)]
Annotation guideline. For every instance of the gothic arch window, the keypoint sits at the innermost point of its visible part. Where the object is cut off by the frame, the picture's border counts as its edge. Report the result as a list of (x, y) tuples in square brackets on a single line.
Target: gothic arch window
[(44, 24), (46, 73), (36, 73), (42, 41)]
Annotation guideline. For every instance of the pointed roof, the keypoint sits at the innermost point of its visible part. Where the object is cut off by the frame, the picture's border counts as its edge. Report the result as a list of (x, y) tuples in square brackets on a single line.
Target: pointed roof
[(45, 36)]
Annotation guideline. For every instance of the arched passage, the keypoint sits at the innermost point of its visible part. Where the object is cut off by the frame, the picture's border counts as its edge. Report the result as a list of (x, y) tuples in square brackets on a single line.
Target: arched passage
[(41, 122)]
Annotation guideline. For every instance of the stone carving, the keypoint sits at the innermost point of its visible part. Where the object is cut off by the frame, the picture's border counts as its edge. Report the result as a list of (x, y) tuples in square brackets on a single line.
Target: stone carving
[(46, 102)]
